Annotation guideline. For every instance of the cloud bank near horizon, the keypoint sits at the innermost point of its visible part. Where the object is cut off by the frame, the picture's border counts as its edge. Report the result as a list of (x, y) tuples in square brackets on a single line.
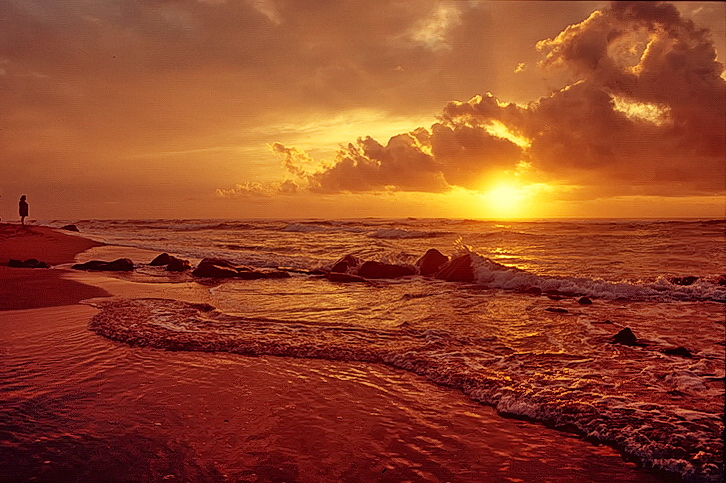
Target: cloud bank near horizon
[(642, 113)]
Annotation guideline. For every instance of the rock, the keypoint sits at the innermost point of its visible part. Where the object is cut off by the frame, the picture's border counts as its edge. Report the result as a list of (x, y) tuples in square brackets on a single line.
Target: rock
[(625, 337), (277, 274), (344, 277), (431, 262), (250, 275), (584, 301), (345, 264), (70, 228), (557, 310), (178, 265), (215, 268), (162, 259), (120, 265), (384, 270), (721, 280), (457, 270), (30, 263), (688, 280), (560, 293), (678, 351), (217, 262)]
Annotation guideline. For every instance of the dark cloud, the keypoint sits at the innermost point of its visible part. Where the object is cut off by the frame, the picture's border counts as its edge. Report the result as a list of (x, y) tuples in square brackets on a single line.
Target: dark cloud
[(644, 115)]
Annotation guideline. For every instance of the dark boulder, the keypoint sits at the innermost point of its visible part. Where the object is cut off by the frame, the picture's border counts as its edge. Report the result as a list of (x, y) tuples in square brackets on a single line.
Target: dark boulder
[(344, 277), (215, 268), (345, 264), (120, 265), (162, 259), (688, 280), (584, 301), (678, 351), (459, 269), (625, 337), (70, 228), (30, 263), (431, 262), (384, 270), (178, 265)]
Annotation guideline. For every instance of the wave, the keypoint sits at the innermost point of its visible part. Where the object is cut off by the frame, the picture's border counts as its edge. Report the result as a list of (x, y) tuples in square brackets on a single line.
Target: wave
[(573, 391), (400, 234), (490, 274)]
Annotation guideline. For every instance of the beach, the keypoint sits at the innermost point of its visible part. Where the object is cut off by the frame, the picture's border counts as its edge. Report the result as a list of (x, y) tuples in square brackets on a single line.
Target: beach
[(82, 406)]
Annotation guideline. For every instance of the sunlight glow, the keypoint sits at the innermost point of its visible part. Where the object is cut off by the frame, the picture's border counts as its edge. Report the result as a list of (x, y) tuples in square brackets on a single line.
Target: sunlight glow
[(500, 130), (505, 201), (657, 114)]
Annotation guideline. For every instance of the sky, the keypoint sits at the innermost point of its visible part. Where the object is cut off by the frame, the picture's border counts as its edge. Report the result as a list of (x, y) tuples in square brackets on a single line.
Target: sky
[(142, 109)]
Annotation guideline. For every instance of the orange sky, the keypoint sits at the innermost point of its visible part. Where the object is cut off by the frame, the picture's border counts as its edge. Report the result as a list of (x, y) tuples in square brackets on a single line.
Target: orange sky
[(272, 108)]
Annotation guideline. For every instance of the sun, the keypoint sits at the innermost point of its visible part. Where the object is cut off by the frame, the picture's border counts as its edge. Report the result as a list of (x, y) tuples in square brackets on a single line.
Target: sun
[(505, 201)]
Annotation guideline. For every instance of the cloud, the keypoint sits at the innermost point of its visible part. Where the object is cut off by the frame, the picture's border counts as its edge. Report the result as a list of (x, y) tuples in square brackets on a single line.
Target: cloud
[(642, 114)]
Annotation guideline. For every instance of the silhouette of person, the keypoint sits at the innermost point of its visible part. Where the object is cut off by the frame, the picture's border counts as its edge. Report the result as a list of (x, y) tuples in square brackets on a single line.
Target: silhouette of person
[(23, 207)]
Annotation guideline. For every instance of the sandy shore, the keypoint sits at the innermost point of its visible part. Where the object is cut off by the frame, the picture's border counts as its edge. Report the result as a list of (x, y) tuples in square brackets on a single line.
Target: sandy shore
[(27, 288)]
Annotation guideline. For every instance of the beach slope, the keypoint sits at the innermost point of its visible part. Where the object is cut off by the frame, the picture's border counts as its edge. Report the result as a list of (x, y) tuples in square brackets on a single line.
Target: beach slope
[(27, 288)]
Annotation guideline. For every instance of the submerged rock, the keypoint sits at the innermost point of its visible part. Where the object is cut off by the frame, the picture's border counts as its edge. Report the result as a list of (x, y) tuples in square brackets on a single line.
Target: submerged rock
[(178, 265), (30, 263), (678, 351), (345, 264), (625, 337), (384, 270), (344, 277), (459, 269), (688, 280), (120, 265), (557, 310), (431, 262), (584, 301)]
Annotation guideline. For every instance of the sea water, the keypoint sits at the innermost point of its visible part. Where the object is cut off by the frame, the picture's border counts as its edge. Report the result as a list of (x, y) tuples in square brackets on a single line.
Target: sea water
[(544, 357)]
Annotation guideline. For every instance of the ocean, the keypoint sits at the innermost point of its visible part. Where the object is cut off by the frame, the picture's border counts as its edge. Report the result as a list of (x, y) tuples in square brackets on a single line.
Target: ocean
[(519, 338)]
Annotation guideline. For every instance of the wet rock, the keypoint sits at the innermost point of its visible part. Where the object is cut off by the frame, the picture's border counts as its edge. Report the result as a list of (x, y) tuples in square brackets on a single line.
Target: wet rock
[(584, 301), (459, 269), (384, 270), (344, 277), (689, 280), (625, 337), (431, 262), (162, 259), (178, 265), (70, 228), (557, 310), (721, 280), (277, 274), (678, 351), (215, 268), (120, 265), (345, 264), (30, 263)]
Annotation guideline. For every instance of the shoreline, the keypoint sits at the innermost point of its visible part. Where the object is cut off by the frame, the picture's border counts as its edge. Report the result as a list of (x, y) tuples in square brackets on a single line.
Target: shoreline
[(29, 288)]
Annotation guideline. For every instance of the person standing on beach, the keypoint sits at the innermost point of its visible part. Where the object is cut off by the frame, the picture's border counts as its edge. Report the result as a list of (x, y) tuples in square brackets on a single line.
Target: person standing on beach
[(23, 208)]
